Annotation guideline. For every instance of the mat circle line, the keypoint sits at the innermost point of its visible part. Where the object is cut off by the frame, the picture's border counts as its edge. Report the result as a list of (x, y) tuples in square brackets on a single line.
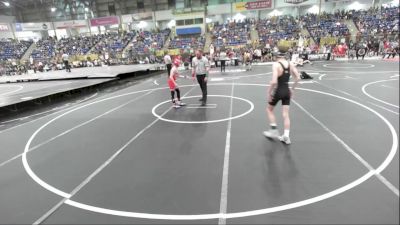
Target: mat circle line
[(13, 91), (205, 121), (377, 99), (263, 211), (366, 66)]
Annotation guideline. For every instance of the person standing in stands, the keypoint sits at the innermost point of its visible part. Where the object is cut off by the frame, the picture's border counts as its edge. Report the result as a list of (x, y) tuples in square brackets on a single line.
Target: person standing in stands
[(247, 60), (329, 52), (376, 48), (65, 59), (361, 51), (381, 48), (200, 69), (168, 62), (222, 59), (191, 59)]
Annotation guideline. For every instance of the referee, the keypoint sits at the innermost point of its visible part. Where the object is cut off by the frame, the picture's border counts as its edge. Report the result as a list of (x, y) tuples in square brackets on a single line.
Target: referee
[(200, 69), (65, 58), (168, 63)]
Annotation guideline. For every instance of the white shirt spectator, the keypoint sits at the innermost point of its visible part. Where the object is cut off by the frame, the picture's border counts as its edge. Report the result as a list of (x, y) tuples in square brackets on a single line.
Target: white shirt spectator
[(200, 65), (167, 59), (211, 49), (295, 57), (222, 56), (257, 52), (308, 50), (65, 57)]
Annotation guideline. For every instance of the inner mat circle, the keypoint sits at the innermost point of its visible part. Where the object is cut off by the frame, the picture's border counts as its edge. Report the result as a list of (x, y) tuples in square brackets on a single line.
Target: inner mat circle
[(200, 120)]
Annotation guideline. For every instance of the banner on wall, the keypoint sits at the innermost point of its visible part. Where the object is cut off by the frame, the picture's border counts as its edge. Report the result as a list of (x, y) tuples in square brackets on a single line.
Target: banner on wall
[(189, 30), (172, 52), (104, 21), (336, 0), (126, 19), (243, 6), (189, 15), (143, 16), (287, 3), (4, 27), (84, 57), (295, 1), (328, 41), (130, 18), (70, 24), (33, 26)]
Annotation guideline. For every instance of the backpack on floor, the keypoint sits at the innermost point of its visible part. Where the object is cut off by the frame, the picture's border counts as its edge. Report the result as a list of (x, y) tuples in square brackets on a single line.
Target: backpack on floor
[(305, 76)]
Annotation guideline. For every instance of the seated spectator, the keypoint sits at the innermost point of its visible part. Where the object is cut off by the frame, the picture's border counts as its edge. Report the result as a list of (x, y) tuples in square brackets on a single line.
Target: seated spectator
[(231, 34), (187, 42), (11, 49)]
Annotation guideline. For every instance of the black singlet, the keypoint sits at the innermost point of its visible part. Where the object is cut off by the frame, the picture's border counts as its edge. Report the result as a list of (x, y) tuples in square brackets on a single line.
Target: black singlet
[(282, 92)]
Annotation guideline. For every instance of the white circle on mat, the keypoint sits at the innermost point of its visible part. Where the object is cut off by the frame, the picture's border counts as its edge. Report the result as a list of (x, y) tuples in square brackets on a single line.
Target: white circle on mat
[(349, 66), (203, 121), (155, 216)]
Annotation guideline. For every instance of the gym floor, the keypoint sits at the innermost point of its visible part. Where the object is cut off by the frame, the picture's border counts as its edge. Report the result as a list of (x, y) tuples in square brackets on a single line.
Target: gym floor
[(128, 157)]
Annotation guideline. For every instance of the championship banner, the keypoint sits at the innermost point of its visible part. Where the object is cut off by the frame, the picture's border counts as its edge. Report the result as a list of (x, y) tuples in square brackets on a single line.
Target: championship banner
[(336, 0), (104, 21), (291, 3), (286, 44), (328, 41), (174, 51), (295, 1), (192, 10), (236, 46), (189, 15), (243, 6), (84, 57), (126, 19), (33, 26), (70, 24), (130, 18), (171, 52), (4, 27), (143, 16), (160, 53)]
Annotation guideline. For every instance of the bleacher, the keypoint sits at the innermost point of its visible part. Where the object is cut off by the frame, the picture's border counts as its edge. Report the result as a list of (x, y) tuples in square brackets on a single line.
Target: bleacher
[(278, 28), (146, 40), (330, 25), (48, 48), (370, 22), (194, 42), (231, 34), (113, 42), (45, 49), (76, 45), (12, 49)]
